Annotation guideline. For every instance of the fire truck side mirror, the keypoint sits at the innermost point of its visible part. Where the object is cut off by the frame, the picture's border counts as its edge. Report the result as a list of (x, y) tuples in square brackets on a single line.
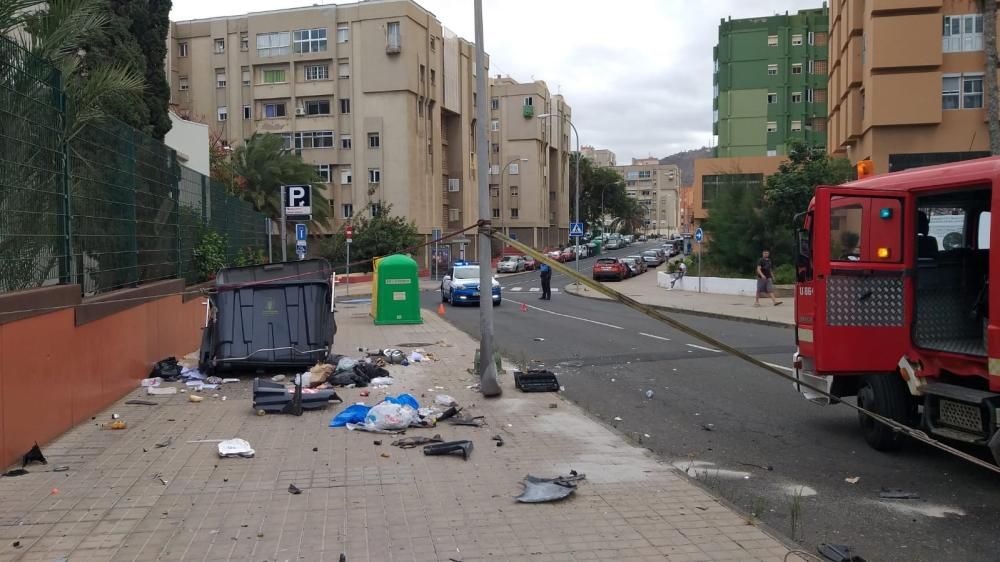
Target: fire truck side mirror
[(984, 230)]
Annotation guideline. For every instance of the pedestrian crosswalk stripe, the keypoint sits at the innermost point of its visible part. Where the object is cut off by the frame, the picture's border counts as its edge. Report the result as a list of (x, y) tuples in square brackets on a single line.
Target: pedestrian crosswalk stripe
[(534, 289), (555, 290), (517, 288)]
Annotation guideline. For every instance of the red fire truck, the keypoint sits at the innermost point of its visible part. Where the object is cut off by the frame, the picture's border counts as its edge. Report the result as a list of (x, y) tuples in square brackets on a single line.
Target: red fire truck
[(893, 301)]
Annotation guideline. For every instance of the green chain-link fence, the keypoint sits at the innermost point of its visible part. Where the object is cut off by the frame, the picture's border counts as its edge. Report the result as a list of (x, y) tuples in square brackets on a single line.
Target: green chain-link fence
[(108, 209)]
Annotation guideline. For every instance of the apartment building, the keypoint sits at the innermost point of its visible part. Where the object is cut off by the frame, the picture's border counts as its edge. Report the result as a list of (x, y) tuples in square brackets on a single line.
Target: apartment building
[(770, 83), (376, 94), (529, 139), (601, 157), (657, 188), (906, 82)]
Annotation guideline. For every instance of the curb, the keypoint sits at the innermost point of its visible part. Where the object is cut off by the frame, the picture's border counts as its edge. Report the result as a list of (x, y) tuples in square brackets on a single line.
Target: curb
[(717, 315)]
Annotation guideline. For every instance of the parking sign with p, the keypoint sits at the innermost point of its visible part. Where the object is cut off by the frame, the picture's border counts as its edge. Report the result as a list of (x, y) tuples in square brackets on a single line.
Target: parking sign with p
[(298, 200)]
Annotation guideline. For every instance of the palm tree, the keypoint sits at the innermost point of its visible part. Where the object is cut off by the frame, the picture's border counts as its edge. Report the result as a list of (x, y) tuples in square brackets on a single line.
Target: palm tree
[(631, 217), (262, 165), (989, 8)]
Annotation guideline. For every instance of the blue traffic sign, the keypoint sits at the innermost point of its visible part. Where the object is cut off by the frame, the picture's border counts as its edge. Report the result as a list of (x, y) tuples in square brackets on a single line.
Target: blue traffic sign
[(576, 229), (699, 235), (300, 232)]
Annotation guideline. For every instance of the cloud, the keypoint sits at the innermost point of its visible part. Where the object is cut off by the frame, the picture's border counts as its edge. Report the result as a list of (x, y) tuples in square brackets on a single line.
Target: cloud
[(638, 73)]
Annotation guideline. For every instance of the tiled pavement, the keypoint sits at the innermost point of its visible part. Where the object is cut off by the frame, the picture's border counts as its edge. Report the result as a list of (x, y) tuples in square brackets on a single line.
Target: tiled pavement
[(365, 501)]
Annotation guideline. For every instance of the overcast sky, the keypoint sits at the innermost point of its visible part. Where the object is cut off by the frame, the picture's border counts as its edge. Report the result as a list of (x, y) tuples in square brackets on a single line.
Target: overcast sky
[(638, 73)]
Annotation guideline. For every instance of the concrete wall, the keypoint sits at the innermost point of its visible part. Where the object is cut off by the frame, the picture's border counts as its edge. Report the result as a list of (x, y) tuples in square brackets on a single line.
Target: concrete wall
[(190, 140), (712, 285), (60, 368)]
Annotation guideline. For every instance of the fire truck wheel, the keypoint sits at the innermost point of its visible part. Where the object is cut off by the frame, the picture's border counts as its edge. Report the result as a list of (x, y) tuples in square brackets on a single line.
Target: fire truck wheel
[(886, 395)]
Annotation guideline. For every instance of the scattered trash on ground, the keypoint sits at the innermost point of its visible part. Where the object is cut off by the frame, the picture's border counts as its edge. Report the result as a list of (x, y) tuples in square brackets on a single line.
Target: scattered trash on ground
[(167, 369), (464, 447), (649, 394), (165, 443), (15, 472), (159, 477), (539, 339), (473, 421), (141, 403), (412, 442), (617, 418), (499, 439), (385, 455), (161, 391), (275, 398), (536, 380), (444, 400), (235, 448), (294, 490), (852, 480), (155, 381), (838, 553), (60, 468), (708, 426), (417, 356), (382, 381), (539, 490), (897, 494), (760, 466), (553, 405), (278, 378), (355, 413), (34, 454), (377, 442), (194, 398), (646, 435), (207, 441)]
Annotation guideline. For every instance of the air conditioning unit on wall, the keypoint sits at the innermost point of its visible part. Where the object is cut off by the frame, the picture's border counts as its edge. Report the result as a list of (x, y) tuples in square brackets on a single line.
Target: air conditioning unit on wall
[(300, 111)]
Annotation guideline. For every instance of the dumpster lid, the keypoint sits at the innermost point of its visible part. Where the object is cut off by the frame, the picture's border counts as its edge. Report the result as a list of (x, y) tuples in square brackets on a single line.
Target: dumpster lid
[(276, 273)]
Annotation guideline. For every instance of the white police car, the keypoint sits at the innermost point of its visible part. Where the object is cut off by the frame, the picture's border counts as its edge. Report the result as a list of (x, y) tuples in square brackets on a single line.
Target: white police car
[(461, 285)]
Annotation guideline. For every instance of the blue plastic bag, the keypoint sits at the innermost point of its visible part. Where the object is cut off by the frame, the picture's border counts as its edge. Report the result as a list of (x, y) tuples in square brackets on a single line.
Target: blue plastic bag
[(403, 400), (355, 413)]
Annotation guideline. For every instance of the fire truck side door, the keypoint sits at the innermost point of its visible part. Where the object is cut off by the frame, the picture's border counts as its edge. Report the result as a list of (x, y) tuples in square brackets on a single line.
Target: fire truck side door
[(860, 284)]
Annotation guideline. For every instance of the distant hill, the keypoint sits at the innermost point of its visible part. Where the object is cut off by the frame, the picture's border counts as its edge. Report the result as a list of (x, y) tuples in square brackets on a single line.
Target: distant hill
[(685, 161)]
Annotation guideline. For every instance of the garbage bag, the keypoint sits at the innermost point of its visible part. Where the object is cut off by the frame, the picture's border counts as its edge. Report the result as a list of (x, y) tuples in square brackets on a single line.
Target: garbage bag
[(404, 400), (383, 381), (354, 413), (390, 416), (444, 400), (346, 364)]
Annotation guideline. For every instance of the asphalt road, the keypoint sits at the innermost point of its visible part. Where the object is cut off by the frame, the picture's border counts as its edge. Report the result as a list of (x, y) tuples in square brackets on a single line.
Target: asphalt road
[(743, 432)]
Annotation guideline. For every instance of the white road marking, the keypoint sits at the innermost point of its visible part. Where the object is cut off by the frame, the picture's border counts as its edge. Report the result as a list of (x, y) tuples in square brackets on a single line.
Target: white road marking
[(534, 289), (517, 289), (703, 348), (568, 316), (654, 337), (555, 290), (776, 366)]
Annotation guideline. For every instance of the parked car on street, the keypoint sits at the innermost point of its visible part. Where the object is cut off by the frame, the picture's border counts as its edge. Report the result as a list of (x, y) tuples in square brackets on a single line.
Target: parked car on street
[(510, 264), (612, 244), (652, 258), (610, 268), (643, 238), (635, 265), (582, 250), (461, 285), (569, 254), (641, 262), (530, 264), (555, 254)]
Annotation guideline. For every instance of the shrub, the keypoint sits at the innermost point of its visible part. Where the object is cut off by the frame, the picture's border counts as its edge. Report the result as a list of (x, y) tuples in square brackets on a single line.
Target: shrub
[(210, 254), (784, 274)]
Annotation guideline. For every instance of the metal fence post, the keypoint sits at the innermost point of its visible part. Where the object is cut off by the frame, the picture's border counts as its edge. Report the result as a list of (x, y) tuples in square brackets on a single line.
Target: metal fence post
[(68, 266)]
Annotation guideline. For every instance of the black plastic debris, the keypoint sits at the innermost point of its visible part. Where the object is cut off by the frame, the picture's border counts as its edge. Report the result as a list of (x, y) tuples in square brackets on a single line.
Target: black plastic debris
[(838, 553), (276, 399), (540, 490), (897, 494), (536, 380), (294, 490), (499, 439), (168, 369), (473, 421), (33, 455), (141, 403), (411, 442), (450, 448), (15, 472), (449, 413)]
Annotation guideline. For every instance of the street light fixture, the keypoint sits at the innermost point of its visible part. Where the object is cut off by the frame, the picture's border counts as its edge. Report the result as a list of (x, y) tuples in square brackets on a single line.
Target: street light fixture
[(576, 212), (500, 194)]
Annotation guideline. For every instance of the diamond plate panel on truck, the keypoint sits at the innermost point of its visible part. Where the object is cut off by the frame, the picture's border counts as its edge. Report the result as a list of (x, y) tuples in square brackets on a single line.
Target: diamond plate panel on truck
[(853, 300)]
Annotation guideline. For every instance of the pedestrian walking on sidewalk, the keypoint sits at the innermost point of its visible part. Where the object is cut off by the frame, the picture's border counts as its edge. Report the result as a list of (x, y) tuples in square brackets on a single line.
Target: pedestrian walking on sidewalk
[(546, 282), (765, 279)]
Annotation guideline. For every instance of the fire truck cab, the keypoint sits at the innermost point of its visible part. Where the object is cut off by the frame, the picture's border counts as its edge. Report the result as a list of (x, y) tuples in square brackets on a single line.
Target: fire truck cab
[(893, 301)]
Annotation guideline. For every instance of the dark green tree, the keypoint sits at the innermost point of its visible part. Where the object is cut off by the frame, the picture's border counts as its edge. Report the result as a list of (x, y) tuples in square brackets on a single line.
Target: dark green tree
[(788, 191), (150, 26), (603, 189), (374, 237)]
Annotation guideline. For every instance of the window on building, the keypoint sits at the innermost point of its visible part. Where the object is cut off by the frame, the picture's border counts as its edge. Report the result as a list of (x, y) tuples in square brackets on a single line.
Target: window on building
[(529, 100), (423, 73), (811, 38), (347, 210), (797, 40), (345, 177), (495, 125), (247, 112), (433, 77), (514, 212), (811, 65), (513, 191), (323, 171), (244, 41), (393, 40), (220, 46), (313, 139), (182, 49), (809, 95), (454, 215), (772, 98), (972, 91), (245, 75), (496, 213), (183, 84), (632, 175), (716, 63), (374, 175), (495, 148), (645, 174), (796, 97), (343, 69), (819, 96), (274, 110), (819, 67), (494, 103), (274, 76), (286, 141), (772, 152), (222, 113), (714, 185), (772, 126), (345, 141), (310, 40), (220, 78), (796, 126), (318, 72), (772, 70), (950, 91), (962, 33), (345, 105), (494, 169), (715, 116), (317, 107), (420, 106), (715, 90), (821, 38), (797, 68), (772, 40), (374, 141), (343, 32), (514, 169), (272, 44), (433, 43)]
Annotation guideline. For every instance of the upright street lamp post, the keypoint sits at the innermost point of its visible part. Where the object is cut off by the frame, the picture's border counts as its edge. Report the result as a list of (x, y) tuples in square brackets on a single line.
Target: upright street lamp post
[(576, 212), (500, 195)]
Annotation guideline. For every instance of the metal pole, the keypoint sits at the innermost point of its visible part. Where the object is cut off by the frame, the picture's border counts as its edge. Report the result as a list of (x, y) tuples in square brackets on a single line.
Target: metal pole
[(267, 225), (488, 383), (699, 267), (578, 189), (348, 267), (284, 231)]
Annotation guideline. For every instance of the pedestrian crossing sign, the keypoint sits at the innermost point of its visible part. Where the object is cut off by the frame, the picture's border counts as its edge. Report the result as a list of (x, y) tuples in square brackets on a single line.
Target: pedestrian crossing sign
[(576, 229)]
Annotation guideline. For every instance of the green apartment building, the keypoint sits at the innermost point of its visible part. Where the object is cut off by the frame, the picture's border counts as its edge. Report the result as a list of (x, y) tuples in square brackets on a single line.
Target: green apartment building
[(770, 83)]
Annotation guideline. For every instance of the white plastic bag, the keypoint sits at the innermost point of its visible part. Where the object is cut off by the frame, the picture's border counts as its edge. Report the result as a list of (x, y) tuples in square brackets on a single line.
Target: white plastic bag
[(346, 364), (444, 400), (235, 448), (416, 357), (387, 416), (382, 381), (154, 381)]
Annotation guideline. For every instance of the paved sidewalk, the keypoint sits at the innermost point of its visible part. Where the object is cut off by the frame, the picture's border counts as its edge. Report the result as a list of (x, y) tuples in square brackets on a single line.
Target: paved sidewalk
[(364, 289), (368, 502), (643, 288)]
